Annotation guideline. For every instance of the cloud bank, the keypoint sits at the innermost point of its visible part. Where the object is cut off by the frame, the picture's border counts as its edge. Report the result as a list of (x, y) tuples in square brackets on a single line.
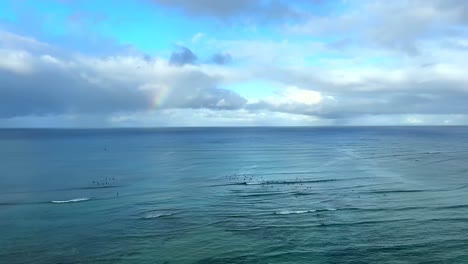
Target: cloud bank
[(365, 63)]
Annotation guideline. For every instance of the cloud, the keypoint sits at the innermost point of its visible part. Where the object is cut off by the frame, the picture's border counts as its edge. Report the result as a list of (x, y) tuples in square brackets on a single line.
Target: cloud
[(394, 25), (251, 10), (15, 61), (167, 118), (36, 83), (49, 88), (182, 56), (364, 62), (197, 37), (307, 97), (342, 91), (221, 58), (14, 41)]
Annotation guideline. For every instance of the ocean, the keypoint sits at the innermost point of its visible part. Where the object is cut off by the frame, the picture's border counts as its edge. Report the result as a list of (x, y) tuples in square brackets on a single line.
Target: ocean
[(234, 195)]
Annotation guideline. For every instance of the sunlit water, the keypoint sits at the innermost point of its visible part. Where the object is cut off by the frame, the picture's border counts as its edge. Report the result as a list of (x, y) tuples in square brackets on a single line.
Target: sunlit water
[(234, 195)]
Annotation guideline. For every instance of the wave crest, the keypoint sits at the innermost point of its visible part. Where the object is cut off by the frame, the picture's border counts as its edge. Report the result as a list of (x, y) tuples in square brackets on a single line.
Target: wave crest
[(72, 200), (287, 212), (153, 215)]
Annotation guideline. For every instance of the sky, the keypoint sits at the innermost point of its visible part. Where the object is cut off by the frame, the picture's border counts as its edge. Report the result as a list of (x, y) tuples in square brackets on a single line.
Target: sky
[(165, 63)]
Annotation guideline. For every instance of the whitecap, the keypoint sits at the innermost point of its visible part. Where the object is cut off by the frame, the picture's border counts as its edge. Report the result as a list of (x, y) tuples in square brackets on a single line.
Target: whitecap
[(153, 215), (72, 200), (326, 209), (287, 212), (252, 183)]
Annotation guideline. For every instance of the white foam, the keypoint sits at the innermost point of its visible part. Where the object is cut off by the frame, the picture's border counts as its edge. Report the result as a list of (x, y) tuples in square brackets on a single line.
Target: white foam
[(287, 212), (252, 183), (152, 215), (73, 200)]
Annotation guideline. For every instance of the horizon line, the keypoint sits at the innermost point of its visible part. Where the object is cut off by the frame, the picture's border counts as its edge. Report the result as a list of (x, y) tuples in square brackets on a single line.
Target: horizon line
[(198, 127)]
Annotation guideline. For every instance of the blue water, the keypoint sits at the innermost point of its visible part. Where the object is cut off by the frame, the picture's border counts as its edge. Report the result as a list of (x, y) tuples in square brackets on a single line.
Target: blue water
[(234, 195)]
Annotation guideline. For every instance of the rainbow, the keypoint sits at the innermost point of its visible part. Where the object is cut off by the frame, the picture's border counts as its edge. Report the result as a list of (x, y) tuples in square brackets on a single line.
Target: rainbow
[(159, 96)]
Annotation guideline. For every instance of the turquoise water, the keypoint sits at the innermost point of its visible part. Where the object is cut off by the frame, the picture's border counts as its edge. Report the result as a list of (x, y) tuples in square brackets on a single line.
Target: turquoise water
[(234, 195)]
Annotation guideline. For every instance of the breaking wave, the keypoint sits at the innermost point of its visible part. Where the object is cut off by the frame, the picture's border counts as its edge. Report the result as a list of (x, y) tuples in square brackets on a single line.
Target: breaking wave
[(153, 215), (72, 200), (287, 212)]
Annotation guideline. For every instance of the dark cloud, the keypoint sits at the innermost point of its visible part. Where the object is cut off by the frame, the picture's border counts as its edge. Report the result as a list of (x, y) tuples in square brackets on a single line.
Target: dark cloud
[(182, 56), (212, 7), (196, 89), (394, 25), (429, 90), (51, 91), (432, 99), (221, 58), (147, 57), (34, 84), (213, 98), (252, 10), (403, 25)]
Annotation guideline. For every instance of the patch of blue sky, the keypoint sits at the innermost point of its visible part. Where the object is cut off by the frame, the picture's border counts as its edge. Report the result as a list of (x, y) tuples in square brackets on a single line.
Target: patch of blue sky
[(52, 15), (216, 36), (155, 29), (6, 12), (318, 58), (137, 23), (149, 28), (145, 27)]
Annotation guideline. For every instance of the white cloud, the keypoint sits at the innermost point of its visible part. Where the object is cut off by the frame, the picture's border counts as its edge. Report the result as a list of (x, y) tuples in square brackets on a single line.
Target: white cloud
[(77, 84), (15, 41), (414, 120), (294, 95), (307, 97), (211, 117), (197, 37), (16, 61), (378, 62)]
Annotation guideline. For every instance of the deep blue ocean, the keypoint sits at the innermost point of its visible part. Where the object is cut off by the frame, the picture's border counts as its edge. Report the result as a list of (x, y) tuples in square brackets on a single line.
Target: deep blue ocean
[(234, 195)]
